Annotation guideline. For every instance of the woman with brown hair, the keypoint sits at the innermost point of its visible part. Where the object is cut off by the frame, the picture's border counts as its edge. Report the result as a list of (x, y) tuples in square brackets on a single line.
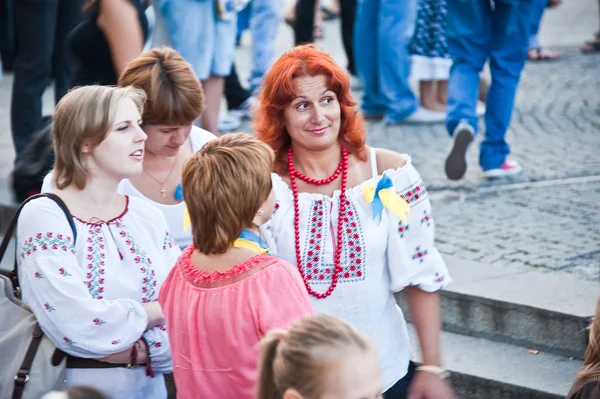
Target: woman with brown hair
[(587, 382), (175, 99), (226, 291), (95, 295), (356, 221)]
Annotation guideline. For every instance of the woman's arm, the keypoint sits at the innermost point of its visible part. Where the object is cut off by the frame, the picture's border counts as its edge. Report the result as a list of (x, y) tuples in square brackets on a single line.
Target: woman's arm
[(53, 286), (425, 310), (120, 23)]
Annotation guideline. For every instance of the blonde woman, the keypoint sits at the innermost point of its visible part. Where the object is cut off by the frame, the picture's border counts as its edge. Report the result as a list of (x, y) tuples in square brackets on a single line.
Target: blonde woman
[(587, 383), (319, 357), (95, 297)]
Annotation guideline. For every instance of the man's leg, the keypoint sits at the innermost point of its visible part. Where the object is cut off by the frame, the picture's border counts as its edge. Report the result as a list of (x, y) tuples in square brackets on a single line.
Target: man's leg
[(469, 33), (396, 22), (68, 16), (35, 23), (348, 16), (367, 61), (264, 23), (468, 38), (305, 21), (510, 35)]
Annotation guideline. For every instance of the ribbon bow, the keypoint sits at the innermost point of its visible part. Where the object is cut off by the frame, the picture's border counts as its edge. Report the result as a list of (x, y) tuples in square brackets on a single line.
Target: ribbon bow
[(384, 196)]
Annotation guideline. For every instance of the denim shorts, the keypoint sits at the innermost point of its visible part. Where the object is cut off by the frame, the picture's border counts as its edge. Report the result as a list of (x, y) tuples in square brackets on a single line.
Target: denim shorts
[(203, 39)]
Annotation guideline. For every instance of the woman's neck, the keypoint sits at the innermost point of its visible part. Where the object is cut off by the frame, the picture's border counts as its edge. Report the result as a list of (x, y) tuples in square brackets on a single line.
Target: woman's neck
[(99, 199), (317, 164)]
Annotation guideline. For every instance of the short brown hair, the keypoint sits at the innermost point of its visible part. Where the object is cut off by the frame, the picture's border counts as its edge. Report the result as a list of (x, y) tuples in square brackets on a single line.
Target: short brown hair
[(84, 116), (175, 95), (224, 185)]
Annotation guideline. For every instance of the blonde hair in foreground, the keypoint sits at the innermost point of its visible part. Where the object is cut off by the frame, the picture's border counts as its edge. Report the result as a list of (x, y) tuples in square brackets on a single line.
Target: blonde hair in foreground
[(83, 116), (591, 362), (224, 185), (300, 358)]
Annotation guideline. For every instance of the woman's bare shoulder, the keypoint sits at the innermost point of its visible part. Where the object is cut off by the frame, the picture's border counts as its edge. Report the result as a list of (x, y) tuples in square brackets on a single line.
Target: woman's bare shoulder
[(387, 159)]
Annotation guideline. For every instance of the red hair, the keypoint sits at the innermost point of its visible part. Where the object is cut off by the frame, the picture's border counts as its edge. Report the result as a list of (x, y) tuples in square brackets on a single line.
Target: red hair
[(278, 91)]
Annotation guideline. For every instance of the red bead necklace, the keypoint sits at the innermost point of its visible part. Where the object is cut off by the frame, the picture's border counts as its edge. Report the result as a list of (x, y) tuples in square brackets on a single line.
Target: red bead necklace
[(343, 169)]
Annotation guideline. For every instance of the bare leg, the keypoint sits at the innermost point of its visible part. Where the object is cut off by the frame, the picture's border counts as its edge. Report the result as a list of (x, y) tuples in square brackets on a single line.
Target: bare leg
[(213, 90), (442, 92), (428, 97)]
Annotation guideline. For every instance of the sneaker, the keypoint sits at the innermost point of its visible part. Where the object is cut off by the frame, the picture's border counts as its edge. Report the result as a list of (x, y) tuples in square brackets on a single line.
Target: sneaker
[(508, 168), (229, 123), (245, 110), (422, 115), (456, 162)]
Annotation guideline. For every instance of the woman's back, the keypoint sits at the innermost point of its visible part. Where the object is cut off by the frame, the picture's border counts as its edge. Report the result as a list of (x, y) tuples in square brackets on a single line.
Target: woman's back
[(91, 49), (216, 321)]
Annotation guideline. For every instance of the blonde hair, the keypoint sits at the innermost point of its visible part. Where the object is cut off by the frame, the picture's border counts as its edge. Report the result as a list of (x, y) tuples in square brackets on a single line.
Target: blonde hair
[(224, 185), (83, 116), (298, 359), (591, 362), (175, 95)]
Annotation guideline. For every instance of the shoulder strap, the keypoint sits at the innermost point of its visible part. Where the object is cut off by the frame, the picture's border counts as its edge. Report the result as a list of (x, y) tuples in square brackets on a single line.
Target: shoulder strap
[(373, 156), (10, 231)]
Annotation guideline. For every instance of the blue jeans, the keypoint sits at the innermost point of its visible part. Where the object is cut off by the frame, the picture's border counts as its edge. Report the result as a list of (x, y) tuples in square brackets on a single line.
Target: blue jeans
[(537, 12), (476, 33), (262, 17), (382, 32)]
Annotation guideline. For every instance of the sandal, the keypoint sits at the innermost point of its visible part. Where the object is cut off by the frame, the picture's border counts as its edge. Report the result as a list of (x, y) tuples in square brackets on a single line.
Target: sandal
[(540, 54), (592, 46)]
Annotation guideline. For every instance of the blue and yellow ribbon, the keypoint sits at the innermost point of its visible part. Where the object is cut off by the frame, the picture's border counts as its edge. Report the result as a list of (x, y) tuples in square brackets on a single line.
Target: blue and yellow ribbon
[(384, 196), (251, 241)]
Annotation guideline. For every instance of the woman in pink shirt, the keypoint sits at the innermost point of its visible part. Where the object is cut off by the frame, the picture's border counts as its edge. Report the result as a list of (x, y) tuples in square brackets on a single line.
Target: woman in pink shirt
[(226, 291)]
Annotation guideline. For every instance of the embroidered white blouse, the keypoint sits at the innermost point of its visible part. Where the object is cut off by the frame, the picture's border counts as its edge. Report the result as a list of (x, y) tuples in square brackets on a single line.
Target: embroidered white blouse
[(378, 257), (87, 295)]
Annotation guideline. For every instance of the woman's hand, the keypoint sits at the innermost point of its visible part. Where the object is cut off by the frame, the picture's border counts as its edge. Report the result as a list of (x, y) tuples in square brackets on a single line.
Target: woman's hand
[(429, 386), (155, 314), (124, 357)]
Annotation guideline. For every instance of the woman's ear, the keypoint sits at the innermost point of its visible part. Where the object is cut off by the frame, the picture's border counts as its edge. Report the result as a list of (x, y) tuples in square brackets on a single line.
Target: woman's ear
[(292, 394), (87, 148)]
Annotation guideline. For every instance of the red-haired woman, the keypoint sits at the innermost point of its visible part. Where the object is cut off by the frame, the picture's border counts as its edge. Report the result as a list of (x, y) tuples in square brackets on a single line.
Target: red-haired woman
[(355, 220)]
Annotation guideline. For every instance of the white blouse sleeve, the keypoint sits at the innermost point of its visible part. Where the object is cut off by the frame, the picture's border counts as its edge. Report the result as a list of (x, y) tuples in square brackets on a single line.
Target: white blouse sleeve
[(413, 259), (282, 206), (157, 337), (52, 284), (159, 349)]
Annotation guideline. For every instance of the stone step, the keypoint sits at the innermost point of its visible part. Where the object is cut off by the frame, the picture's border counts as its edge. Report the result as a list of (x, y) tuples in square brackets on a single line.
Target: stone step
[(542, 310), (481, 368)]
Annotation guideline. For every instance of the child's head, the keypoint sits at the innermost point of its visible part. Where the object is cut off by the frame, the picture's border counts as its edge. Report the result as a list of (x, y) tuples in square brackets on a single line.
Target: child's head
[(227, 187), (76, 392), (320, 357)]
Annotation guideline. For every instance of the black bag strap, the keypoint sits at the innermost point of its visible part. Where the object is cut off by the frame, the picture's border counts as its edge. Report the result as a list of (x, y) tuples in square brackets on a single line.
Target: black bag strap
[(12, 226)]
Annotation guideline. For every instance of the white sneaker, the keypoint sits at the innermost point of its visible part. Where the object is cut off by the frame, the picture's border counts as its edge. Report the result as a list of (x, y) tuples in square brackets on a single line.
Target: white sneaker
[(423, 115), (229, 123), (456, 162), (508, 168)]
